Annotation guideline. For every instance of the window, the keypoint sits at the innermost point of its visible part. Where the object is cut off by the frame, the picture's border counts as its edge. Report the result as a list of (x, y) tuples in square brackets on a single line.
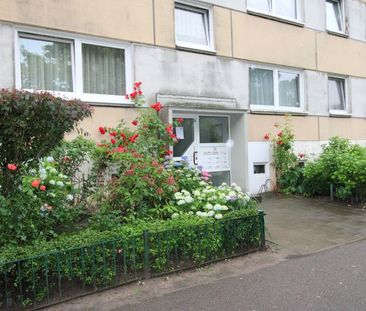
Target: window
[(77, 67), (259, 168), (287, 9), (271, 89), (214, 130), (335, 16), (193, 28), (337, 95)]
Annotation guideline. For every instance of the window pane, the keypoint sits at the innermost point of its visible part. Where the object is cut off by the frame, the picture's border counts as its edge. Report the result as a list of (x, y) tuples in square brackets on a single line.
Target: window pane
[(259, 169), (261, 87), (336, 94), (183, 144), (334, 15), (191, 26), (45, 65), (288, 88), (214, 130), (220, 177), (103, 70), (262, 5), (286, 8)]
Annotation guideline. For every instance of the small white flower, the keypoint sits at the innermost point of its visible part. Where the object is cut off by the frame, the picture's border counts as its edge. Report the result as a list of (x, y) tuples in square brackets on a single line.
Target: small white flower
[(181, 202), (52, 182), (199, 213), (210, 213), (218, 216), (69, 197), (196, 193), (238, 189), (217, 207), (175, 215), (190, 213), (60, 184), (189, 200), (233, 184), (208, 206), (50, 159), (204, 214), (203, 183), (224, 208)]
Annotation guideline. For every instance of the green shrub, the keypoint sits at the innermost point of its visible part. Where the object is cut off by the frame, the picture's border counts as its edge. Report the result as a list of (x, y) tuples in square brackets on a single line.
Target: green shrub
[(342, 164), (32, 124)]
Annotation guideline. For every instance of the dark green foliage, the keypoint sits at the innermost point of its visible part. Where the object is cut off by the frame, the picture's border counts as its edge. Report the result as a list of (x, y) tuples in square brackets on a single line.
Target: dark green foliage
[(342, 164), (32, 124)]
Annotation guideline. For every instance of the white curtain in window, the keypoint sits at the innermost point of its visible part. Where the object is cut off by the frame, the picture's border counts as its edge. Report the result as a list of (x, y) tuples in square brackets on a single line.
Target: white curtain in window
[(336, 94), (334, 15), (45, 65), (261, 87), (103, 70), (288, 89), (286, 8), (191, 26), (262, 5)]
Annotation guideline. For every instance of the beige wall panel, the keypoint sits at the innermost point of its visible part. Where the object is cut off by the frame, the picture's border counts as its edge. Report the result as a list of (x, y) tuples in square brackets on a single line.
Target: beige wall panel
[(351, 128), (105, 116), (268, 41), (164, 23), (341, 55), (222, 31), (130, 20), (305, 128)]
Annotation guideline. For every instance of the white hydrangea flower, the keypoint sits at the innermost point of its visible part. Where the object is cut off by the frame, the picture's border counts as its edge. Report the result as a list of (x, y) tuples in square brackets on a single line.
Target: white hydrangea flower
[(196, 193), (210, 213), (209, 206), (204, 214), (218, 216), (203, 183), (52, 182), (50, 159), (175, 215), (224, 207), (181, 202), (60, 184), (189, 200), (237, 188), (199, 213), (69, 197), (53, 170), (217, 207), (233, 184)]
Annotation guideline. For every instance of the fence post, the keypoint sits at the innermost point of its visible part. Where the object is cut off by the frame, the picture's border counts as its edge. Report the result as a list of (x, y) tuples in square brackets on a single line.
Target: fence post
[(331, 191), (262, 230), (146, 254)]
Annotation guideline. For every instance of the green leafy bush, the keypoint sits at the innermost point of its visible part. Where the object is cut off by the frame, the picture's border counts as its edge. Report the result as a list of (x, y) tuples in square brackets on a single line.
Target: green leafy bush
[(32, 124), (342, 164)]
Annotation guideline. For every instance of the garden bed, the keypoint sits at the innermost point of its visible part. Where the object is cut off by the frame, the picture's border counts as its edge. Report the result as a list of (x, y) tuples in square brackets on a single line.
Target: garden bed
[(43, 278)]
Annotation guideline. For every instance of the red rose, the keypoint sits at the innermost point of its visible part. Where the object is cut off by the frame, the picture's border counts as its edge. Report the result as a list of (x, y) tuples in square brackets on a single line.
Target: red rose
[(279, 134), (12, 167), (133, 138), (114, 134), (134, 122), (138, 84), (266, 136), (169, 152), (35, 183), (102, 130), (159, 191), (113, 141), (42, 188), (157, 106)]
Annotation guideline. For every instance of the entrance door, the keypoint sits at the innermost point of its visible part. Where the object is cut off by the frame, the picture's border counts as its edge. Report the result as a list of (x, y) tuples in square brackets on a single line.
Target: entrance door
[(205, 141)]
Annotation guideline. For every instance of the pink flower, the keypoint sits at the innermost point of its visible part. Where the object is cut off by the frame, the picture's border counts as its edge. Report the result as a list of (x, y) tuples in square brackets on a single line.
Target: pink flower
[(42, 188), (102, 130), (157, 106), (12, 167), (266, 136), (35, 183), (113, 141), (134, 122)]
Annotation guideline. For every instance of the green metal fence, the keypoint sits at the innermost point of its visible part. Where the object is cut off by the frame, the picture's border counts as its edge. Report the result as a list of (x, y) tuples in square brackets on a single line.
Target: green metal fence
[(53, 277)]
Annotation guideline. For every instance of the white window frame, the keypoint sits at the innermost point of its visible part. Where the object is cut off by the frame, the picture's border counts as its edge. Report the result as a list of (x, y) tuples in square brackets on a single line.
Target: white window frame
[(338, 112), (196, 6), (76, 58), (343, 18), (276, 105), (273, 15)]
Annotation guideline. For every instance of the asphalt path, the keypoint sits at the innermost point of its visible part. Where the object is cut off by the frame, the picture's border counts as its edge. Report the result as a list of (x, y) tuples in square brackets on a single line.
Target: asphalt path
[(333, 279)]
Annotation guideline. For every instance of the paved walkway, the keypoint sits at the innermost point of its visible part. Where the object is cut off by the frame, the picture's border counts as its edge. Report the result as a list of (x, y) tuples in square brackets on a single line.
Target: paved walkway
[(304, 226)]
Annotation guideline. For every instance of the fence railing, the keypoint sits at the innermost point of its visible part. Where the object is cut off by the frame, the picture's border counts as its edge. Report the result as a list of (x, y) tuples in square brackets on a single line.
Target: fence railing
[(57, 276), (356, 197)]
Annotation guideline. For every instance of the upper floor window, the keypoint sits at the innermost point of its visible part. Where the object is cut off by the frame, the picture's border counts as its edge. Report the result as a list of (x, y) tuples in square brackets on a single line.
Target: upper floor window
[(337, 95), (335, 15), (89, 70), (287, 9), (275, 89), (193, 27)]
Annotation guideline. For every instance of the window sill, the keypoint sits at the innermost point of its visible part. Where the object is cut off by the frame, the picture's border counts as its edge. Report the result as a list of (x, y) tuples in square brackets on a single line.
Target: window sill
[(275, 18), (278, 112), (337, 33), (339, 114), (196, 49)]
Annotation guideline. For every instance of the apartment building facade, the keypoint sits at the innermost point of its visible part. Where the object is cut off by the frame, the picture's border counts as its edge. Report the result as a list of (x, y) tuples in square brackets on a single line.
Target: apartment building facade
[(229, 68)]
